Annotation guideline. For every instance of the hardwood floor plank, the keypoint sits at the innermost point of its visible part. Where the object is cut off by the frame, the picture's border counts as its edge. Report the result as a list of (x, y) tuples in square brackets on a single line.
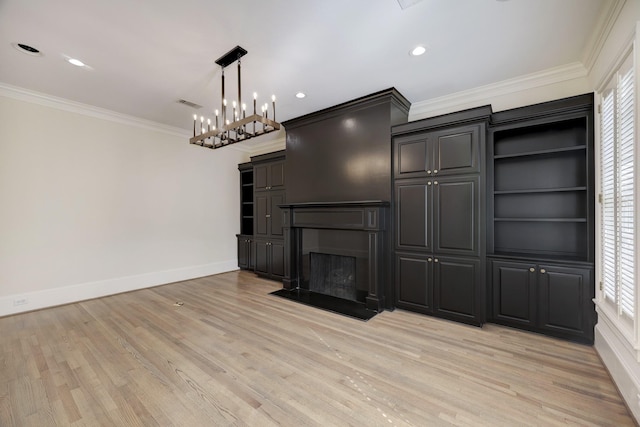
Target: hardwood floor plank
[(234, 355)]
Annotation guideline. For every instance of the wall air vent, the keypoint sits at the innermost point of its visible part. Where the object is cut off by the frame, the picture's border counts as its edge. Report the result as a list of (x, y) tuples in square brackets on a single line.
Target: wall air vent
[(189, 104)]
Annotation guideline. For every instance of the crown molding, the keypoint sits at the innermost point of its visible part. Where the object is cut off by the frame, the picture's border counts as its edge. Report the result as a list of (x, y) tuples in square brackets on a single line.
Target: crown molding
[(51, 101), (606, 22), (481, 94), (266, 147)]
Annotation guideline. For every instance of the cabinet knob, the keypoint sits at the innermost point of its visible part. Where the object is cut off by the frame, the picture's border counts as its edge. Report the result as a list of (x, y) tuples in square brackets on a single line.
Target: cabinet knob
[(428, 182), (268, 216), (435, 182), (533, 270), (429, 259), (435, 260), (542, 271), (435, 171), (428, 172)]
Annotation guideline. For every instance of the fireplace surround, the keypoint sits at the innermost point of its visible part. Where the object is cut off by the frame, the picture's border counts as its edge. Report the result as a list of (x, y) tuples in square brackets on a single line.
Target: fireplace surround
[(339, 230)]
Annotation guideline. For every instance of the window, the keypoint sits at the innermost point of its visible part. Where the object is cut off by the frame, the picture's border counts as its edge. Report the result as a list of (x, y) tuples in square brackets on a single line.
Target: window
[(618, 188)]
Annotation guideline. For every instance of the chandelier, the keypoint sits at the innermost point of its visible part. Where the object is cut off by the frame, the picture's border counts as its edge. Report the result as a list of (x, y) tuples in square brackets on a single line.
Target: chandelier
[(231, 123)]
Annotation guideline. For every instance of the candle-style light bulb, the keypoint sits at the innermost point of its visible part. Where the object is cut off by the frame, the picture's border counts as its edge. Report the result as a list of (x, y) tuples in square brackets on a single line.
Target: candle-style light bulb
[(273, 102), (195, 118), (216, 119), (208, 125), (244, 110), (255, 97)]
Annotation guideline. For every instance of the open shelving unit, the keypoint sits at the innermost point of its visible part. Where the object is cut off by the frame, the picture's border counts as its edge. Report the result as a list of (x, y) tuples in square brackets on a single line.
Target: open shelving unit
[(540, 218), (246, 201), (540, 198)]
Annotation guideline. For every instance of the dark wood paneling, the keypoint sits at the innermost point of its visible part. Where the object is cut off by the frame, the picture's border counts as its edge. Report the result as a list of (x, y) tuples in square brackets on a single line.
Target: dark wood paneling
[(411, 156), (413, 278), (261, 174), (262, 257), (413, 215), (277, 258), (458, 150), (342, 153), (456, 292), (457, 216), (276, 198), (261, 210), (565, 299), (276, 175), (514, 292)]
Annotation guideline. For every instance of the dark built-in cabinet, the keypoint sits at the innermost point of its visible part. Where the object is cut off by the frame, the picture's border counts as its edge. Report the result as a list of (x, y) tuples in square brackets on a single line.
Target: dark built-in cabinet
[(545, 297), (269, 193), (540, 228), (439, 214), (492, 214), (245, 238)]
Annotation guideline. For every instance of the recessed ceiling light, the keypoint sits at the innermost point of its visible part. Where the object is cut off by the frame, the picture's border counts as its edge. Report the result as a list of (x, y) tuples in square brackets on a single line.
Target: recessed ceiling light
[(75, 62), (300, 95), (25, 48), (418, 50)]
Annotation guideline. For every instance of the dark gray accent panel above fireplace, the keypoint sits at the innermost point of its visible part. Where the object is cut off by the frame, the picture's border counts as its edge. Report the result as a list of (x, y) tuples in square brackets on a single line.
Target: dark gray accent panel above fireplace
[(342, 153)]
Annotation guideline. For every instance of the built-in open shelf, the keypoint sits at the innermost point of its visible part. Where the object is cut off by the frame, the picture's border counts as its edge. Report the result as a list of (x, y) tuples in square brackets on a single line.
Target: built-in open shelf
[(551, 151), (540, 190), (541, 219)]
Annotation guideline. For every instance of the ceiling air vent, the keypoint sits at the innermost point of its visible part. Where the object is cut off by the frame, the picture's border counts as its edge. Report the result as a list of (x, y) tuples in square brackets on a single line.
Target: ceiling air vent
[(189, 103), (25, 48)]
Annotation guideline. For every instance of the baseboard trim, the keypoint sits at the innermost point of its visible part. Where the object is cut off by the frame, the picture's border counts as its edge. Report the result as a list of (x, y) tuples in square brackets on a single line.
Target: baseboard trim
[(84, 291), (618, 358)]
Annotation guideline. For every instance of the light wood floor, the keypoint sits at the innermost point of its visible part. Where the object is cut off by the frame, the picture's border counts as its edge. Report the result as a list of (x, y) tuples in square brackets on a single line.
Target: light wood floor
[(234, 355)]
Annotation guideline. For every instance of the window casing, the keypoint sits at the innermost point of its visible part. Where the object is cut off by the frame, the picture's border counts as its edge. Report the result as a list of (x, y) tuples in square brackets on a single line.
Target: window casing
[(618, 198)]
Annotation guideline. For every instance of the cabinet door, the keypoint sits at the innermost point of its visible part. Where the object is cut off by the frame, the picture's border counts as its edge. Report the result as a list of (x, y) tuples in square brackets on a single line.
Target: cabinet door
[(277, 258), (262, 257), (251, 250), (261, 177), (275, 219), (456, 291), (413, 215), (514, 293), (456, 225), (243, 252), (414, 290), (565, 300), (457, 150), (412, 156), (261, 214), (276, 175)]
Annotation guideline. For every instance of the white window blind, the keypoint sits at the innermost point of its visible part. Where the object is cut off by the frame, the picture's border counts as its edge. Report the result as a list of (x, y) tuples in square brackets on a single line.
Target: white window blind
[(617, 158)]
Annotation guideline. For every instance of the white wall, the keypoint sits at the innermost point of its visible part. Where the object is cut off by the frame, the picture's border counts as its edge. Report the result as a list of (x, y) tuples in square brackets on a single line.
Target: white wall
[(91, 206)]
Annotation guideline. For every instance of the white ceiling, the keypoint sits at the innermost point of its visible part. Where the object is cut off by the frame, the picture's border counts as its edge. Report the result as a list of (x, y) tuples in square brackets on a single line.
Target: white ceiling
[(144, 55)]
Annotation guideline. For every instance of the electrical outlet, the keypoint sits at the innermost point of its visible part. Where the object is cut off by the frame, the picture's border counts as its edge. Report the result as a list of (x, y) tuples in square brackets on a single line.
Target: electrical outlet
[(20, 301)]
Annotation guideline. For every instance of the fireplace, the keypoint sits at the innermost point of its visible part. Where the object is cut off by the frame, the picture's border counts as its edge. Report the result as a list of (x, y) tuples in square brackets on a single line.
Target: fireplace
[(333, 275), (337, 249)]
